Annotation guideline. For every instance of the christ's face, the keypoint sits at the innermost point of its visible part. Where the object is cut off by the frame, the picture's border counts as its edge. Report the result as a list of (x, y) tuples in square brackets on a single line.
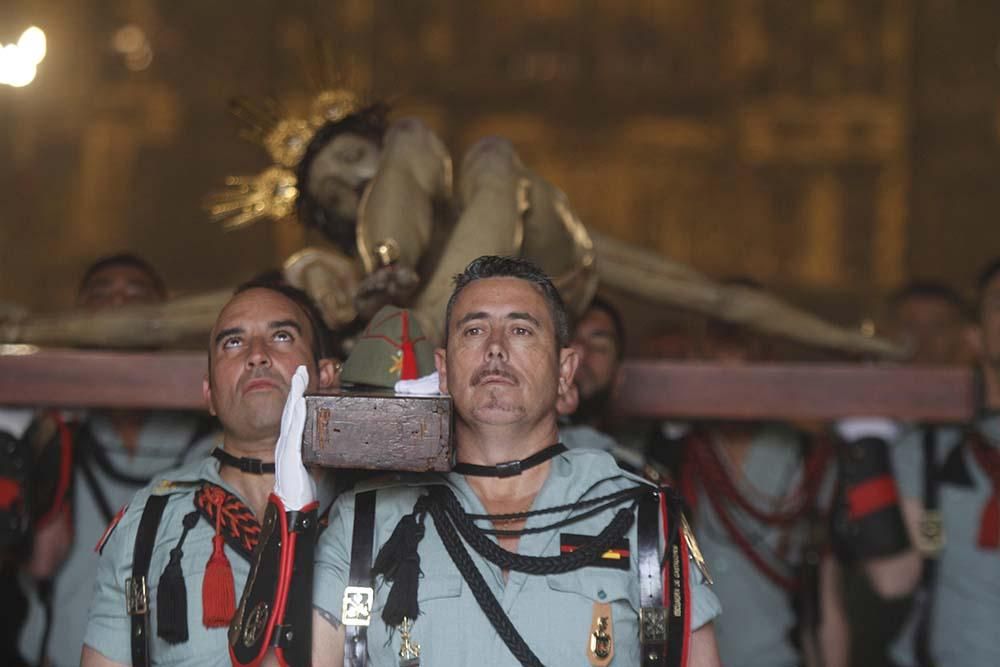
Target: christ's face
[(340, 171)]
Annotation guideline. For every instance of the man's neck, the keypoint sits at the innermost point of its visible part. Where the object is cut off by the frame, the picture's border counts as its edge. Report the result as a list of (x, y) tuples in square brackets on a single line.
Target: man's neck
[(492, 445), (254, 489)]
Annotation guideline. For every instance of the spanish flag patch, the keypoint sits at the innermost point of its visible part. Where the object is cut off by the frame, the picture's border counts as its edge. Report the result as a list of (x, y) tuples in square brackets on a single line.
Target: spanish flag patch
[(616, 557)]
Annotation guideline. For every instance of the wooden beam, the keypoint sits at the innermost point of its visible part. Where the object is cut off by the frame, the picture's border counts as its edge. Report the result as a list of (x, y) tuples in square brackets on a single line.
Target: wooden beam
[(793, 391), (86, 379), (172, 380)]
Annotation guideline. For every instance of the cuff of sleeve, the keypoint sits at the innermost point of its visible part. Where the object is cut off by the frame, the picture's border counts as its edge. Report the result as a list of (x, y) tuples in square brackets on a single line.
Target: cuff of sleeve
[(706, 606), (105, 641)]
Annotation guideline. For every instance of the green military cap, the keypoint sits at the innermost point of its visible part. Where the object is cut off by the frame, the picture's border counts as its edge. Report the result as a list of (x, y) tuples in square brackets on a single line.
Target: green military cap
[(392, 348)]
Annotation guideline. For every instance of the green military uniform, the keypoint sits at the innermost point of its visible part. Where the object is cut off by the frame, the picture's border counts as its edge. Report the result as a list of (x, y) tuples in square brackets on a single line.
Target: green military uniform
[(166, 440), (108, 629), (553, 612), (965, 598)]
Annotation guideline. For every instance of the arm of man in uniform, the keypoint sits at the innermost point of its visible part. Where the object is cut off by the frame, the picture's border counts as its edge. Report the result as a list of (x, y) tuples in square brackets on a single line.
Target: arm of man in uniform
[(897, 576), (877, 516), (107, 639), (704, 651), (834, 633)]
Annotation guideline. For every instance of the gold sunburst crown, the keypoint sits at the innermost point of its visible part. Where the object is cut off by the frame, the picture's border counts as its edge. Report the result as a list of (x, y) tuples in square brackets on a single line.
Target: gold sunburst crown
[(272, 193)]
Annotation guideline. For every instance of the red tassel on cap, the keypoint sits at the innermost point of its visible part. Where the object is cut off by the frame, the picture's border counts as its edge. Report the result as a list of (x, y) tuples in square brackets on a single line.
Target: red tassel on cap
[(218, 592), (409, 371)]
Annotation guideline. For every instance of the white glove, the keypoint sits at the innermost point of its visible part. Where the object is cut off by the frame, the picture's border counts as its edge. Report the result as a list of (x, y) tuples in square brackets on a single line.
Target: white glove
[(292, 482), (853, 429), (428, 385)]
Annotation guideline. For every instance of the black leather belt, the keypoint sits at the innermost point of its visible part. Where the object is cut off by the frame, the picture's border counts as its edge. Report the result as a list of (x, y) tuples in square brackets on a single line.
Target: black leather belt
[(136, 588), (662, 618), (653, 621), (359, 596)]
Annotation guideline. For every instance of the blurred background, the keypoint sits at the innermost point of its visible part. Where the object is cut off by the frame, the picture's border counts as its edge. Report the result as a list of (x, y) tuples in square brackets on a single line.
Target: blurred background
[(831, 149)]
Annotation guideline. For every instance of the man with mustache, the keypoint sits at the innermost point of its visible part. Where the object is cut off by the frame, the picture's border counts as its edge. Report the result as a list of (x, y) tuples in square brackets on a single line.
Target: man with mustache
[(174, 564), (527, 552)]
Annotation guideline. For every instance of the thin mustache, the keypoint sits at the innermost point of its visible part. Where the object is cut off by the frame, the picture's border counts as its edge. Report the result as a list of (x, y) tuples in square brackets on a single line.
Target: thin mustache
[(492, 372)]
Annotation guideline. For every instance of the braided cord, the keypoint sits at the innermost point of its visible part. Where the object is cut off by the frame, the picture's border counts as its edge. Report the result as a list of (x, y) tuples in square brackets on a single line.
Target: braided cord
[(609, 500), (447, 508), (480, 589)]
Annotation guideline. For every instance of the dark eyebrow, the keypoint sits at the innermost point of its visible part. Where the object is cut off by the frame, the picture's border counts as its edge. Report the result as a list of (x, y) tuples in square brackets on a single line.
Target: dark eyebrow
[(479, 315), (286, 324), (525, 316), (227, 332)]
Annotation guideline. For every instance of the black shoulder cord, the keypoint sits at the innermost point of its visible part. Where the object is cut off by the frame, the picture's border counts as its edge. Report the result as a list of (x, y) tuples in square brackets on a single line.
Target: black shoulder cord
[(448, 516), (809, 603)]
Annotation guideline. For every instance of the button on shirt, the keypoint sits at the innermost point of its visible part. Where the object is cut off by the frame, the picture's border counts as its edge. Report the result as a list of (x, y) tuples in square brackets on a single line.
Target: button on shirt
[(553, 613)]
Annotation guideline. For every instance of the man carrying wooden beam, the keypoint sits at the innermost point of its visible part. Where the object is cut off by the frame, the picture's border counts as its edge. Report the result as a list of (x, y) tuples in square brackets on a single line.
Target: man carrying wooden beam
[(174, 562), (580, 545), (949, 480)]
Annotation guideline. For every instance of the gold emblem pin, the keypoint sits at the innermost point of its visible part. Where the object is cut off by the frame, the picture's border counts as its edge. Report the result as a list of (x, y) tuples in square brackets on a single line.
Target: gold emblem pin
[(601, 642), (409, 650)]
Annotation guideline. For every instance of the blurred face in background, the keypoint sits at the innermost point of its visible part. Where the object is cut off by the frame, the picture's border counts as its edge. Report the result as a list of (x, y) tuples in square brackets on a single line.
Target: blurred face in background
[(729, 343), (932, 327), (989, 322), (118, 285), (597, 344)]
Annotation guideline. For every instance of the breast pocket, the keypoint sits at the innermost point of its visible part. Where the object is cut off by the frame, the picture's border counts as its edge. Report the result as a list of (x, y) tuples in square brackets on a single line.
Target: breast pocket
[(441, 616), (565, 607)]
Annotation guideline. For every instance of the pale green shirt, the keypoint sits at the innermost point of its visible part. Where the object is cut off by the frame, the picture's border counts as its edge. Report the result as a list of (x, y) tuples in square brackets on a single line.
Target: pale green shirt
[(160, 447), (553, 613)]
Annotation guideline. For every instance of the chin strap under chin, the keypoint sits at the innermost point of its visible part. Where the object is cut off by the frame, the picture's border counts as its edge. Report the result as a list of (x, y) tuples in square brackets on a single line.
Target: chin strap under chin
[(276, 610)]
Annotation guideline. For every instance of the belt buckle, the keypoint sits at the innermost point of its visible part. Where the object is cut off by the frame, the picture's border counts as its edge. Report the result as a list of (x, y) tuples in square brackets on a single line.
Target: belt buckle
[(653, 625), (357, 607), (136, 596)]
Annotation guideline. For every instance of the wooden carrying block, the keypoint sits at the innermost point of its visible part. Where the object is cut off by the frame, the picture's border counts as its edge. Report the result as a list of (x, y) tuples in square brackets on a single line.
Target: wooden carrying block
[(378, 431)]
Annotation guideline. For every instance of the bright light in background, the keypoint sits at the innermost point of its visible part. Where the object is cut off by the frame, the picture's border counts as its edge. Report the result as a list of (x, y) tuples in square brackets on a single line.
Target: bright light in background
[(19, 62)]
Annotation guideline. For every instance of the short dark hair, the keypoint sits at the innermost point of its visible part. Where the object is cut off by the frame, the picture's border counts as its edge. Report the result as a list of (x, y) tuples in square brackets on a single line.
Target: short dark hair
[(986, 276), (617, 323), (492, 266), (124, 259), (927, 289), (322, 343), (370, 123)]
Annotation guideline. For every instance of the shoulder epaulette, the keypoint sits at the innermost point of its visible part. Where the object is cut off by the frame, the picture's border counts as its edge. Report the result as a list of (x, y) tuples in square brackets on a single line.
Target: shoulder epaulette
[(166, 487)]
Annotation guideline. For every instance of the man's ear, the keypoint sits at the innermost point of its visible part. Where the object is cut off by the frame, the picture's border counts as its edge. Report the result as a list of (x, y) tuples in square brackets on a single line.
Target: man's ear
[(206, 394), (441, 364), (329, 374), (569, 360)]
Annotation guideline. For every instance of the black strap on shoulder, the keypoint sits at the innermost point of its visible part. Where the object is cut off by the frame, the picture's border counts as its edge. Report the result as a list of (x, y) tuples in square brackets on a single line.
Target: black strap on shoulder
[(136, 587), (807, 599), (653, 621), (362, 546), (928, 574)]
